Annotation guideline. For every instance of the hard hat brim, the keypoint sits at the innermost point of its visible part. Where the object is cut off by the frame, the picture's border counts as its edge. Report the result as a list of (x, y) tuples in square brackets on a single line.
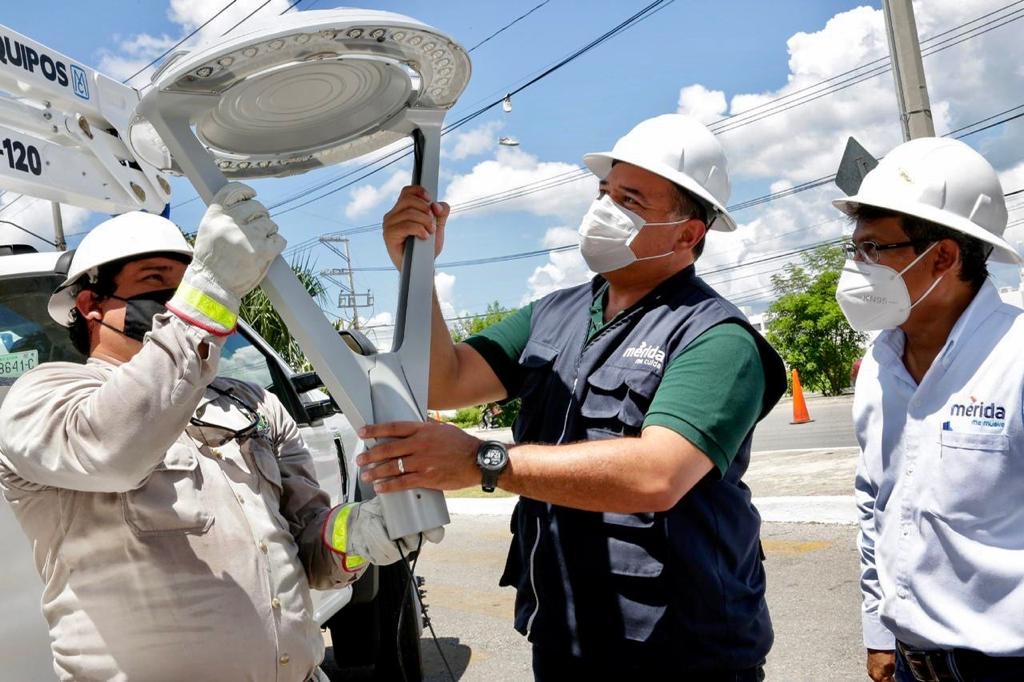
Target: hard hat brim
[(1002, 253), (601, 163), (62, 300)]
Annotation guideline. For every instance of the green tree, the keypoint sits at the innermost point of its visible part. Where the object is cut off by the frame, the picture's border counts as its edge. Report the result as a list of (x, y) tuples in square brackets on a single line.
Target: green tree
[(806, 325), (463, 329), (260, 314)]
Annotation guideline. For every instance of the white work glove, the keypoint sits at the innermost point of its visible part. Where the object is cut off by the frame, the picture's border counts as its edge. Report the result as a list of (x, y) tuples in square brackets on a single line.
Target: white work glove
[(357, 531), (235, 245)]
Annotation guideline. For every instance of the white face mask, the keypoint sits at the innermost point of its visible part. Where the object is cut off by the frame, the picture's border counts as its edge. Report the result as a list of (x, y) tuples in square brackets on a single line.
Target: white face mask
[(606, 232), (874, 296)]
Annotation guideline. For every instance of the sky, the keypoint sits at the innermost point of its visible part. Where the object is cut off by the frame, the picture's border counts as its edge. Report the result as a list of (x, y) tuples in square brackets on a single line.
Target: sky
[(783, 84)]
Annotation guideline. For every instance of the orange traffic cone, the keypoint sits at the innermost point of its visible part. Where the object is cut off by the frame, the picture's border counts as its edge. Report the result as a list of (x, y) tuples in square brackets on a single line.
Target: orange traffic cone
[(800, 414)]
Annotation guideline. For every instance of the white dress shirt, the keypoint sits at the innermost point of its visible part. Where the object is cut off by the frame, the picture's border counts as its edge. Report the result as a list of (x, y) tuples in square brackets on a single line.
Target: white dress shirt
[(940, 487), (167, 551)]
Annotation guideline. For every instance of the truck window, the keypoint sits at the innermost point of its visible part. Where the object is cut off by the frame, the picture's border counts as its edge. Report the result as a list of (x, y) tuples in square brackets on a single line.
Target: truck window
[(241, 360), (28, 337)]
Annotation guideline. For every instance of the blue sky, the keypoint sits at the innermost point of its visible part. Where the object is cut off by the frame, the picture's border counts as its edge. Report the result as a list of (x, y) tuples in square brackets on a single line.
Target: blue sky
[(710, 59)]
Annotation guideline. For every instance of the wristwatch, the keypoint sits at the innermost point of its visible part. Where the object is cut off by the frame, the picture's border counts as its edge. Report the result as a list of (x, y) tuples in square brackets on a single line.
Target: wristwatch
[(492, 458)]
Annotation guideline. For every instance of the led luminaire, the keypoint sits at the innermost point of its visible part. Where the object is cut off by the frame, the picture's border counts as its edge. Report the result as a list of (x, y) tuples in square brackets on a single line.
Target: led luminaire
[(310, 89)]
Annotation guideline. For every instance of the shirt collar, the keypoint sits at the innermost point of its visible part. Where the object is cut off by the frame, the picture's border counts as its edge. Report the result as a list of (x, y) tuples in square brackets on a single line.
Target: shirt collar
[(985, 302), (891, 342)]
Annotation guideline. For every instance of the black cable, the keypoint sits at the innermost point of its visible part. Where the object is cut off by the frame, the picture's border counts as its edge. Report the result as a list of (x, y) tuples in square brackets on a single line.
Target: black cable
[(850, 82), (987, 118), (423, 609), (246, 18), (644, 13), (991, 125), (882, 65), (180, 42), (510, 24), (23, 229)]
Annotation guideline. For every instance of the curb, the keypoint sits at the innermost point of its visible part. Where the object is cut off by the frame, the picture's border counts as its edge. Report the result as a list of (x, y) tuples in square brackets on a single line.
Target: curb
[(827, 509)]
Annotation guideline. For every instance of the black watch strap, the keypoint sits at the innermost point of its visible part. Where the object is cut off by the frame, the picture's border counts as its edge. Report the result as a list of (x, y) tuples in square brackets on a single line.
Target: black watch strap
[(492, 458)]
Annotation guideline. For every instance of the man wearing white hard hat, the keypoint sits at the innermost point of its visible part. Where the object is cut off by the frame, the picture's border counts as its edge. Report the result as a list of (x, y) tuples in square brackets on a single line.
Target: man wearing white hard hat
[(938, 414), (176, 518), (635, 552)]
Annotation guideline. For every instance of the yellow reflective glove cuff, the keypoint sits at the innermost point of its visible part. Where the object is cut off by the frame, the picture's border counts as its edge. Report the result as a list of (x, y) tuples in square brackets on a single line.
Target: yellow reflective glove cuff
[(219, 318), (336, 536)]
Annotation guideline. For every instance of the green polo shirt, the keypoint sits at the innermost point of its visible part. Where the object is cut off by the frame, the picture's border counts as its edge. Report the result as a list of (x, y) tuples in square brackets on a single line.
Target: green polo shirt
[(711, 394)]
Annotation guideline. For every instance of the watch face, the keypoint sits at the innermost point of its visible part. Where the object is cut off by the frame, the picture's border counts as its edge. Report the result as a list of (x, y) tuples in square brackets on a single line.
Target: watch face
[(493, 457)]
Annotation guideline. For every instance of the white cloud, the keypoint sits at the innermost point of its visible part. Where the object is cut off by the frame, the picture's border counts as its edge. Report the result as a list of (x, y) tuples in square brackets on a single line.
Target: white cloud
[(364, 198), (136, 51), (967, 82), (514, 169), (380, 329), (707, 106), (444, 284), (1013, 180), (35, 216), (563, 269), (474, 142), (806, 141)]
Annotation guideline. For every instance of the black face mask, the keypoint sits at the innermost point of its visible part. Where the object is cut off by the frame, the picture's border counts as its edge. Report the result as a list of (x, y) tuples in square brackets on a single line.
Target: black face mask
[(139, 311)]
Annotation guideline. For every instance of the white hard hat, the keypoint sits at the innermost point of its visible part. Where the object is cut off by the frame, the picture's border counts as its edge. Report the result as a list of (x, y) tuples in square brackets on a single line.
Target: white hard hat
[(128, 235), (944, 182), (681, 150)]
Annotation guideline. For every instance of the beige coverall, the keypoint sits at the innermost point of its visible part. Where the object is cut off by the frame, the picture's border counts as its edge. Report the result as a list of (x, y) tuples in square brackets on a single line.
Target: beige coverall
[(166, 554)]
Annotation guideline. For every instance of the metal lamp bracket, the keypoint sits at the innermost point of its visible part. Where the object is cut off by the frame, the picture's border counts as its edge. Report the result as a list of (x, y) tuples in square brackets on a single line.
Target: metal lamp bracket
[(212, 111)]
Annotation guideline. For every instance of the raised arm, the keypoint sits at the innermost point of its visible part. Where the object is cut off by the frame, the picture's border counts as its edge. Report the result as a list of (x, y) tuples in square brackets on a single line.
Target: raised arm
[(459, 376)]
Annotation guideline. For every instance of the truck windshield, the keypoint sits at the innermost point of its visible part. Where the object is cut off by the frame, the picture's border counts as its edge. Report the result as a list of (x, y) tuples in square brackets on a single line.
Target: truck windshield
[(27, 334)]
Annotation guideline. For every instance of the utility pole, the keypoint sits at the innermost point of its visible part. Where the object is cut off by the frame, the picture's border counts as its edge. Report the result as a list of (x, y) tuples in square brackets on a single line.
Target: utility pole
[(58, 227), (347, 297), (907, 69)]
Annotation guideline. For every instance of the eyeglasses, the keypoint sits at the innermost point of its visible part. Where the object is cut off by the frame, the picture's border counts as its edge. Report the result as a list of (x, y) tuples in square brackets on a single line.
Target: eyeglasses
[(250, 414), (868, 251)]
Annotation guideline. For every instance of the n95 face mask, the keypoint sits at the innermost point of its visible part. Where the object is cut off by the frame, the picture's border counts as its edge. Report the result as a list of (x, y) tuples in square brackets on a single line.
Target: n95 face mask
[(606, 232), (874, 296)]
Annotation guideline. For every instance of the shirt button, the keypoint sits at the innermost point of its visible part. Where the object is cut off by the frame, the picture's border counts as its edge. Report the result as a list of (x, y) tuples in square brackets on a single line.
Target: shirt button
[(275, 602), (240, 500), (262, 546), (901, 593), (284, 659), (217, 453)]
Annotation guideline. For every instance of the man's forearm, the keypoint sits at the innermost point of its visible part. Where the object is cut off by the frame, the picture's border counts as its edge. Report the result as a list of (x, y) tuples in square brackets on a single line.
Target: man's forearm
[(444, 363), (623, 475)]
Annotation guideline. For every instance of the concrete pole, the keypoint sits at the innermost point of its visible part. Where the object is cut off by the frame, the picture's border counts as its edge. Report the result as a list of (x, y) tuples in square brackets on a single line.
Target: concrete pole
[(352, 287), (907, 69), (58, 227)]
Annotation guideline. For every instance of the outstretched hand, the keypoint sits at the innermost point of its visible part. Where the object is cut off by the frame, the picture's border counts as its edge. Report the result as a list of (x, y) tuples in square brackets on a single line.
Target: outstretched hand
[(419, 455)]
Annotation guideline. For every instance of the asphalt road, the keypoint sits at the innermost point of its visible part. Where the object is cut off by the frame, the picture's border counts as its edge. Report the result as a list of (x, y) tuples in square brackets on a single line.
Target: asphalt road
[(801, 476), (832, 426), (812, 594)]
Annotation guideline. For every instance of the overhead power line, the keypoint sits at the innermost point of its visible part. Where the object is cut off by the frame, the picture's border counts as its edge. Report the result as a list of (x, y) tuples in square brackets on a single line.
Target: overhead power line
[(875, 68), (181, 42), (513, 23), (645, 13)]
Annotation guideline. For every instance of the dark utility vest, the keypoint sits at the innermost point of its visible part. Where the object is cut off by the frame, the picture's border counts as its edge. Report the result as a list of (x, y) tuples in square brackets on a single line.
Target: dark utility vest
[(685, 586)]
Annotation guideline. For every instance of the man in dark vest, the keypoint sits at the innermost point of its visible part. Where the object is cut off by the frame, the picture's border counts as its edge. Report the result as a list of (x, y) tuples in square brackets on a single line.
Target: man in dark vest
[(635, 548)]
